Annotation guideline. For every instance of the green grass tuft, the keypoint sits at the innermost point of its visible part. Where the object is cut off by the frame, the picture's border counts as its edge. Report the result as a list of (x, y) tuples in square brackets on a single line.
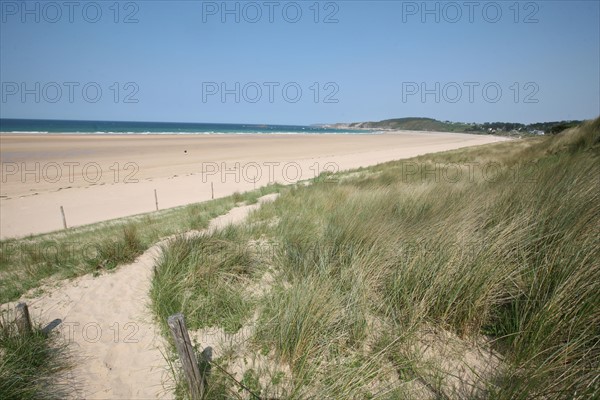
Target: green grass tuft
[(31, 366)]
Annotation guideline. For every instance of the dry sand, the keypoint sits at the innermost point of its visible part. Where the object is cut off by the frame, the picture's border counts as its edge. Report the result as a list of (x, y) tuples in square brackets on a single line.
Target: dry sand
[(117, 350), (101, 177)]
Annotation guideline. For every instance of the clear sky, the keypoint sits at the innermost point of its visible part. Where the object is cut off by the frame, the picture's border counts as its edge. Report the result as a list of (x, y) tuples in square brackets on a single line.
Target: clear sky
[(304, 62)]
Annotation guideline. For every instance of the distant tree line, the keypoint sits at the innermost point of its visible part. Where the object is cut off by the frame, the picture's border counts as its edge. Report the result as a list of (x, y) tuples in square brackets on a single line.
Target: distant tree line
[(430, 124), (551, 128)]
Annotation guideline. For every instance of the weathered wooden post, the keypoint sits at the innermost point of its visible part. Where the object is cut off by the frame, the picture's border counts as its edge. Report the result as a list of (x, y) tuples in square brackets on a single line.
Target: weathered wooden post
[(62, 211), (212, 191), (186, 354), (22, 319), (156, 199)]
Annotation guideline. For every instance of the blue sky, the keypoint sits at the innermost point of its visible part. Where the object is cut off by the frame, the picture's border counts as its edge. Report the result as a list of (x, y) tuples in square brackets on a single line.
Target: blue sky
[(301, 62)]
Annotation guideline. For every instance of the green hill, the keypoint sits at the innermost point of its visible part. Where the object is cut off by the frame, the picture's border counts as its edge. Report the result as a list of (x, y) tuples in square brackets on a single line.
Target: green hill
[(434, 125), (415, 124)]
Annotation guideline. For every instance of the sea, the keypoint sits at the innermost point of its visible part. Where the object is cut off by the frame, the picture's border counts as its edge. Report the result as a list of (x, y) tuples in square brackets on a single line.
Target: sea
[(46, 126)]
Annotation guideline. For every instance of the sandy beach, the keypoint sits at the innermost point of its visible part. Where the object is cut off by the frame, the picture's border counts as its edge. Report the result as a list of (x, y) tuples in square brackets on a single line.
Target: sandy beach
[(101, 177)]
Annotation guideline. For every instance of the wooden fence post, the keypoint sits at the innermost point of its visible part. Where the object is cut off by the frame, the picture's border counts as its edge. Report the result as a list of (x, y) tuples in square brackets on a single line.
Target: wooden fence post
[(22, 319), (212, 191), (156, 199), (62, 211), (186, 354)]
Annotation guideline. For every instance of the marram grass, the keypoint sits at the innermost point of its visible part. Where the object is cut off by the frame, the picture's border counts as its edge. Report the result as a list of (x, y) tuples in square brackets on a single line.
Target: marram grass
[(364, 264)]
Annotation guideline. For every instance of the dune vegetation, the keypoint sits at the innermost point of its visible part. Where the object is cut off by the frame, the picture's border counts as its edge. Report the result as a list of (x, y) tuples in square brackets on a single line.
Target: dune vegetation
[(472, 273), (32, 366), (27, 263)]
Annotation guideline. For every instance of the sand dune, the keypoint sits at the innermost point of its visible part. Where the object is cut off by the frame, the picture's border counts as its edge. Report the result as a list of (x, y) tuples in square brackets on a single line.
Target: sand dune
[(100, 177), (116, 347)]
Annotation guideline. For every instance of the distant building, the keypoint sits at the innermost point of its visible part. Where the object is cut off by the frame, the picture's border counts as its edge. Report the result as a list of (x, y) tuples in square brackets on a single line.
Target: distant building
[(539, 133)]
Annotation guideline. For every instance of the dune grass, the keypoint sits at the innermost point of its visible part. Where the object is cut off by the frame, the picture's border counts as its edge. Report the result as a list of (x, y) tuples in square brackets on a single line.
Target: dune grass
[(27, 263), (215, 296), (496, 244), (31, 366)]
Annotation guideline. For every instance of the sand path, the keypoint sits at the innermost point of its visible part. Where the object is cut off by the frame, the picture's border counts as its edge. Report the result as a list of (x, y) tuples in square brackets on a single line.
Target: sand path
[(117, 349)]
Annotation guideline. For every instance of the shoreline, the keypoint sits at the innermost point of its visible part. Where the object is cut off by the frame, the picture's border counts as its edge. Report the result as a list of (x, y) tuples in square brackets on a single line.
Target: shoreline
[(103, 177)]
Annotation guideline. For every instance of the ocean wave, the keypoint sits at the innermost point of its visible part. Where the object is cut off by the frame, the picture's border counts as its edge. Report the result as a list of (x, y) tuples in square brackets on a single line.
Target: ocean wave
[(29, 132), (88, 127), (196, 133)]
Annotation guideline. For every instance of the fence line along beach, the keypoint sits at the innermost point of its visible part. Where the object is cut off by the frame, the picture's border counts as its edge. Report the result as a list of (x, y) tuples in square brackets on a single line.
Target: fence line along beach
[(51, 180)]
